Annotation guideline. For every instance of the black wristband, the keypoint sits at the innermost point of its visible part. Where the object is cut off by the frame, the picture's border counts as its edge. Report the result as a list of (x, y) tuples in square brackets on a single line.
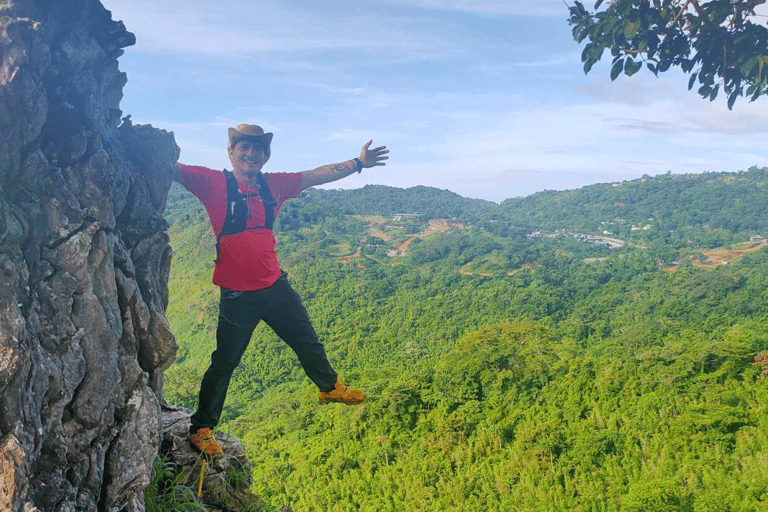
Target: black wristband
[(359, 165)]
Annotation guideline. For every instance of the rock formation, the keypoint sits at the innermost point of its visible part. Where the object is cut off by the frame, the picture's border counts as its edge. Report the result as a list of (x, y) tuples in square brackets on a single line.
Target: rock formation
[(226, 480), (84, 261)]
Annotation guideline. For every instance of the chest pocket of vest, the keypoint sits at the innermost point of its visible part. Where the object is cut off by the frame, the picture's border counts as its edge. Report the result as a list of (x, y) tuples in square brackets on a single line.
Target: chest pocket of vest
[(236, 218), (237, 215)]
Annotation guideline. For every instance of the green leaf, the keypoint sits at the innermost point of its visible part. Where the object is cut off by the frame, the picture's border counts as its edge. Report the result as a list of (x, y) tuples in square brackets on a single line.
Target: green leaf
[(591, 54), (624, 7), (652, 39), (632, 67), (616, 69), (714, 92), (580, 32), (630, 30), (749, 66), (692, 80), (742, 37), (732, 99), (597, 4)]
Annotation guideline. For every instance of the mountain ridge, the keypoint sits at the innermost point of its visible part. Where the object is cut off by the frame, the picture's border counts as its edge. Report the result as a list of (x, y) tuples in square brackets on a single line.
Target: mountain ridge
[(503, 370), (389, 200)]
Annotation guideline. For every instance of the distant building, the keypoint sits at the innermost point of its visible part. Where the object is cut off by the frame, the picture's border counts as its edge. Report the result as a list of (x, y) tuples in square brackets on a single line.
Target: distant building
[(400, 216), (757, 239)]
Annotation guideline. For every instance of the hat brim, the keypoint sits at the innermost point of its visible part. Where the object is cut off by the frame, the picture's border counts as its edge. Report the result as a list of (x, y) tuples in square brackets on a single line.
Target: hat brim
[(235, 136)]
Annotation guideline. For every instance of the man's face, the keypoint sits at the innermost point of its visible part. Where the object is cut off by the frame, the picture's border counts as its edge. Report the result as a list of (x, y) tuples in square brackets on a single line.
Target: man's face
[(248, 157)]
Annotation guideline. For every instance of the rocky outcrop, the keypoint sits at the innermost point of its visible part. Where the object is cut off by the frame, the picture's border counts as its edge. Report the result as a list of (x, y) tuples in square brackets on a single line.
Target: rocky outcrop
[(84, 261), (226, 480)]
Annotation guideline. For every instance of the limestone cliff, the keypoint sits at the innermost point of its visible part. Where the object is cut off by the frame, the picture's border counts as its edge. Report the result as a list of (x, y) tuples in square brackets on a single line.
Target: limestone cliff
[(84, 261)]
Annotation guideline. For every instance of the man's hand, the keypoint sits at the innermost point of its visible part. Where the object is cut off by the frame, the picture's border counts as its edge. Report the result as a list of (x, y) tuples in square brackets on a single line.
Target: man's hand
[(333, 172), (373, 157)]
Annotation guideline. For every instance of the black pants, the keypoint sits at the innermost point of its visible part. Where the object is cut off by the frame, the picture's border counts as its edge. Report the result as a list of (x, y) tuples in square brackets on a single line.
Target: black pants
[(239, 314)]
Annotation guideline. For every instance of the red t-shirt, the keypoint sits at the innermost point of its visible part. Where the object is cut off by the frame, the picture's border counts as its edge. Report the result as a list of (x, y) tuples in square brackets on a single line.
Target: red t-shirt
[(247, 260)]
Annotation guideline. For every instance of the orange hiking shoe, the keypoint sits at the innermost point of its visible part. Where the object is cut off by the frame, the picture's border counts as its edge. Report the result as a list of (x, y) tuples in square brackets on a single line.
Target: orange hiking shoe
[(342, 394), (203, 441)]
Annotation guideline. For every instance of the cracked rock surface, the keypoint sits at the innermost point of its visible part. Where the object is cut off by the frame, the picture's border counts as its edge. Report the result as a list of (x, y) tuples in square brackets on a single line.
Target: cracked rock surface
[(84, 263)]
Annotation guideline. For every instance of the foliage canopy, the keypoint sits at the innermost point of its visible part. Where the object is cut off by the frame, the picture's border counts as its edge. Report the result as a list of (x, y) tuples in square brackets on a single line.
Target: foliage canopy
[(719, 42), (504, 371)]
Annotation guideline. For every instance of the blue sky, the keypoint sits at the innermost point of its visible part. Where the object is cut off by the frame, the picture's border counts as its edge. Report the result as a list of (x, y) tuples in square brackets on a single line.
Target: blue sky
[(484, 98)]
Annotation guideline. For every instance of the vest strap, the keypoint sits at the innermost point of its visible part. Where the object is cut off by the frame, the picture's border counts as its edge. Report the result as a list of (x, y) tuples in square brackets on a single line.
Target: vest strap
[(235, 220)]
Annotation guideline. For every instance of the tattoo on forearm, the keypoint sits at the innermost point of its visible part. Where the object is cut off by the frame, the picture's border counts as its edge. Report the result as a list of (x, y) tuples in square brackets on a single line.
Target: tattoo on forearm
[(339, 168)]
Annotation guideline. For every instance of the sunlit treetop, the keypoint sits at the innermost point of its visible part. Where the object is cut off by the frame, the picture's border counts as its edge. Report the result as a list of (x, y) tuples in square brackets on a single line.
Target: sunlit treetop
[(723, 44)]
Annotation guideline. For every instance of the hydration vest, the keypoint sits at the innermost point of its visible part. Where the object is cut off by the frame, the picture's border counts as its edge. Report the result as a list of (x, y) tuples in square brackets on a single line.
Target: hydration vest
[(237, 209)]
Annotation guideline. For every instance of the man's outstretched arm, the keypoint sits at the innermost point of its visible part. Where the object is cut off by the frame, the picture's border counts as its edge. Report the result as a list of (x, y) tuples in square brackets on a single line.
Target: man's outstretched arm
[(328, 173)]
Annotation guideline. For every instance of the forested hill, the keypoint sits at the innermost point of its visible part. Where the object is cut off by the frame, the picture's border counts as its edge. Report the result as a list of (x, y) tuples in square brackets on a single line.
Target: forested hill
[(512, 359), (719, 203), (729, 201), (427, 201)]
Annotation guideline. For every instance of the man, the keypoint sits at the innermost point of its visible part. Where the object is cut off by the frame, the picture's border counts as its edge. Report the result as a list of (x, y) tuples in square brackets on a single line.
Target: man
[(242, 207)]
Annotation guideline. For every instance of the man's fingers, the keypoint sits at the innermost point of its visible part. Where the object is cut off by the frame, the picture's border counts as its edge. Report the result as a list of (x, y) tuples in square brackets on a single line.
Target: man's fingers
[(374, 157)]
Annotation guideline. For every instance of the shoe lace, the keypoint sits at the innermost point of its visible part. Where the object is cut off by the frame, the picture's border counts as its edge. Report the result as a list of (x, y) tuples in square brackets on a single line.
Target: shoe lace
[(205, 437)]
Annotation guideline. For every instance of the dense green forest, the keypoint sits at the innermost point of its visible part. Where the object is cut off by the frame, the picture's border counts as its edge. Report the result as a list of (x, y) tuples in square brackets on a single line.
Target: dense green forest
[(505, 370)]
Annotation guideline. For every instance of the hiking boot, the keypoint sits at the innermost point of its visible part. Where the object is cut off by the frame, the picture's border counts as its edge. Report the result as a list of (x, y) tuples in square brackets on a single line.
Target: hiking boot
[(203, 441), (342, 394)]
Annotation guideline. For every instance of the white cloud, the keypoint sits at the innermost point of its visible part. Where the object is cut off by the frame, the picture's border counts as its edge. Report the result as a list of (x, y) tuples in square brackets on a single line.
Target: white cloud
[(528, 120), (491, 7), (234, 28), (527, 148)]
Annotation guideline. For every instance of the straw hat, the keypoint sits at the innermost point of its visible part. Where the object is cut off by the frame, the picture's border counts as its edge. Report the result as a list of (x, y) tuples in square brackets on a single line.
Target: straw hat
[(249, 131)]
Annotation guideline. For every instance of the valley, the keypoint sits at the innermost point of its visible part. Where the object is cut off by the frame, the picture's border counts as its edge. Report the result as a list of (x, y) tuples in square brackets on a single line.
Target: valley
[(505, 371)]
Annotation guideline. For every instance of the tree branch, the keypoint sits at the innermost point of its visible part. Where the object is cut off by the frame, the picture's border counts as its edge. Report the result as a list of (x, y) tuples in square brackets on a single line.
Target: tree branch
[(671, 25)]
